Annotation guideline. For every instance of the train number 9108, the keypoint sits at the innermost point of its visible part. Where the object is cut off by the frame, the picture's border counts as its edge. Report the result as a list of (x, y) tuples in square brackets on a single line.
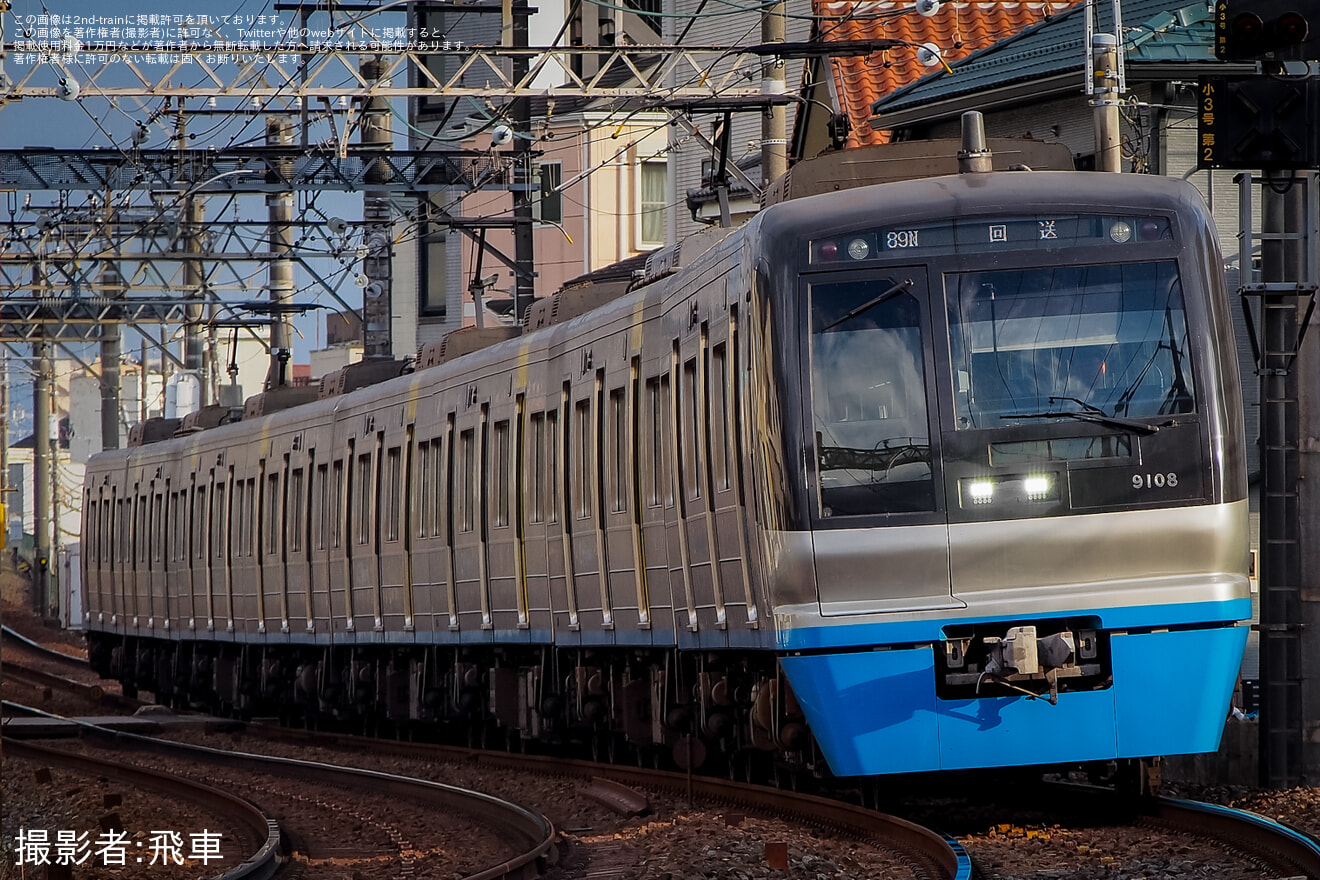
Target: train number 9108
[(1154, 481)]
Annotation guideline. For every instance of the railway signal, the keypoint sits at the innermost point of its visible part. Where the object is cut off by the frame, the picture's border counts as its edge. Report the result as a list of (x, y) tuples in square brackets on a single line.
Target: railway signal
[(1282, 30)]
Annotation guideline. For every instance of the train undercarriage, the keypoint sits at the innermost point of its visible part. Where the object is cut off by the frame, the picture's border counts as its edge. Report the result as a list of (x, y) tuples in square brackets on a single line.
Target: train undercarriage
[(703, 711)]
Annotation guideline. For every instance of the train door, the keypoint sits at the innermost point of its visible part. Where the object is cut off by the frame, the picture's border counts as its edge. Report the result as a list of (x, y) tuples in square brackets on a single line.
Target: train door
[(393, 538), (626, 564), (558, 531), (245, 577), (158, 598), (178, 588), (297, 554), (471, 471), (706, 601), (222, 596), (363, 537), (428, 552), (655, 493), (868, 370), (537, 483), (121, 565), (271, 529), (141, 549), (324, 530), (583, 500), (726, 502), (504, 564), (199, 559)]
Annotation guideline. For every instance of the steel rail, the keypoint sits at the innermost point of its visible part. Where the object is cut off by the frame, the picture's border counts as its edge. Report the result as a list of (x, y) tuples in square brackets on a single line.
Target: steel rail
[(1251, 833), (9, 633), (259, 866), (1257, 834), (531, 833), (941, 857), (90, 692)]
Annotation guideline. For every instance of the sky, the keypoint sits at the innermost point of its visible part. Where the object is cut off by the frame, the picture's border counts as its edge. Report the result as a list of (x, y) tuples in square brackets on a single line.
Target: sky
[(93, 122)]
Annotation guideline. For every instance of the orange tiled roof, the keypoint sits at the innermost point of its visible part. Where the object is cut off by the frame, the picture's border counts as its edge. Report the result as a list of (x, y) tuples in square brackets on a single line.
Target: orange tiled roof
[(958, 28)]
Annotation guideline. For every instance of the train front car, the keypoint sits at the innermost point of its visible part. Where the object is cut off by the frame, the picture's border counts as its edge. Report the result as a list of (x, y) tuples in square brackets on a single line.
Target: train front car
[(1019, 530)]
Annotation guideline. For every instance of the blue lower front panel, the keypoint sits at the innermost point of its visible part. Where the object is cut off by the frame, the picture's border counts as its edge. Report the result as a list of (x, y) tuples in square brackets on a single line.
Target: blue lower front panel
[(876, 712)]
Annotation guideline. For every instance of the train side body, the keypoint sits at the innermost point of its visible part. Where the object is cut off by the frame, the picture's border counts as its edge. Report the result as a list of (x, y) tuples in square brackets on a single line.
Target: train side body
[(765, 462)]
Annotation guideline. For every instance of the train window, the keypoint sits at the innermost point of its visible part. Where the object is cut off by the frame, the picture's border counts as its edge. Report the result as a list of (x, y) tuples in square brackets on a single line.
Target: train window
[(160, 507), (654, 452), (426, 511), (501, 473), (689, 414), (443, 467), (467, 465), (106, 535), (218, 521), (869, 404), (172, 527), (582, 458), (158, 526), (552, 466), (393, 497), (363, 488), (719, 415), (537, 441), (618, 450), (1035, 344), (140, 539), (250, 517), (296, 504), (271, 527), (337, 504), (199, 523), (320, 506)]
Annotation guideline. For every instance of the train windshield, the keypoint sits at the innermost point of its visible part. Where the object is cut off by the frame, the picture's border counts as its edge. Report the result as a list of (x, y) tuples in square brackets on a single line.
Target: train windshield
[(868, 390), (1103, 341)]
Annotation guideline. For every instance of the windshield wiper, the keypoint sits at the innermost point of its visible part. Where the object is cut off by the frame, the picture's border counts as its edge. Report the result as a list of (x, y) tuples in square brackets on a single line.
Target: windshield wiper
[(1088, 416), (888, 294)]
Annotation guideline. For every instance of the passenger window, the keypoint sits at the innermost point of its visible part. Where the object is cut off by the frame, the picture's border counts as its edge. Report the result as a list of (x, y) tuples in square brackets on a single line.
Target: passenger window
[(868, 389), (393, 496)]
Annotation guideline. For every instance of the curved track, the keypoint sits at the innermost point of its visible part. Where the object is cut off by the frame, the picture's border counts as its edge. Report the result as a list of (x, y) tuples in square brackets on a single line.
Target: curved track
[(1285, 850), (261, 865), (931, 855), (40, 648), (530, 835)]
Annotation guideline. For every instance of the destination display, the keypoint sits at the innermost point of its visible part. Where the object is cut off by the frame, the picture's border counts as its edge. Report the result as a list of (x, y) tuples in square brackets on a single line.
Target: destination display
[(982, 234)]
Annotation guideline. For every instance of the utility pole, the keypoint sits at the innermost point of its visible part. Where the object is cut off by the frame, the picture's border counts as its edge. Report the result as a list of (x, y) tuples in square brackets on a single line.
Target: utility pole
[(41, 477), (1105, 83), (112, 283), (524, 279), (1108, 156), (378, 265), (774, 119), (279, 208), (194, 281)]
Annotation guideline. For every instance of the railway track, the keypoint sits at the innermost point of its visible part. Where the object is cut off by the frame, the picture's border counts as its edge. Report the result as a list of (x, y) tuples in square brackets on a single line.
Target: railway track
[(252, 825), (326, 790), (928, 853), (50, 653), (1284, 851)]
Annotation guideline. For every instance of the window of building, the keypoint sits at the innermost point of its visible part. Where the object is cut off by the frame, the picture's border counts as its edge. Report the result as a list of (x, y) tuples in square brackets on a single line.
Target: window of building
[(548, 203), (654, 180)]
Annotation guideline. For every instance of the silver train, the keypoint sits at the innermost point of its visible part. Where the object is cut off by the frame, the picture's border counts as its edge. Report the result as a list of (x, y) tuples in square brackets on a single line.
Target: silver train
[(934, 474)]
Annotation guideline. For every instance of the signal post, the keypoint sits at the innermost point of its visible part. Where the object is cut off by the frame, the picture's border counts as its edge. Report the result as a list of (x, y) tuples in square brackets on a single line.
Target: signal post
[(1268, 122)]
